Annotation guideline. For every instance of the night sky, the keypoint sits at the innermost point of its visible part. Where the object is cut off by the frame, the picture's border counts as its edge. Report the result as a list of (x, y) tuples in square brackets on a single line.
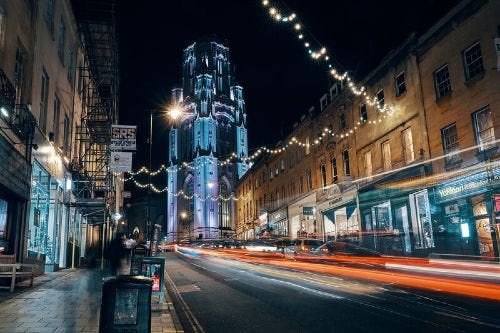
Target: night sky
[(280, 80)]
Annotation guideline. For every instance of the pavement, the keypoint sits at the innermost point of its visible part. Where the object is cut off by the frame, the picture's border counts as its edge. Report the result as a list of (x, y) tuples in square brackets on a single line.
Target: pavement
[(68, 301)]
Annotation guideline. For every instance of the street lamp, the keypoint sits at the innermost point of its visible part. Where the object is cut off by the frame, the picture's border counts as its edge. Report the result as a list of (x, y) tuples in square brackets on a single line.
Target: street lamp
[(175, 112)]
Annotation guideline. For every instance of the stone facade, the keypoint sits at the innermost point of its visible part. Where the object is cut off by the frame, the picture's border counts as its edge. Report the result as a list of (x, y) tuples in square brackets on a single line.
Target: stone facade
[(377, 180)]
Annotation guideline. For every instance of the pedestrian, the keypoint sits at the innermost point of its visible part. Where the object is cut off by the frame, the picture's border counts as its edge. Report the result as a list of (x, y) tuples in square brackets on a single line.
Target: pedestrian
[(115, 252)]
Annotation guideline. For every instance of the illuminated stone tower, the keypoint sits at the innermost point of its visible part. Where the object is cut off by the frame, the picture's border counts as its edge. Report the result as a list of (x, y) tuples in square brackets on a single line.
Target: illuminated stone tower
[(211, 129)]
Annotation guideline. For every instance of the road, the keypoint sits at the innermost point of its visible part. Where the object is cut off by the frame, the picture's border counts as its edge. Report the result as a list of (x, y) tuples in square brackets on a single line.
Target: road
[(218, 294)]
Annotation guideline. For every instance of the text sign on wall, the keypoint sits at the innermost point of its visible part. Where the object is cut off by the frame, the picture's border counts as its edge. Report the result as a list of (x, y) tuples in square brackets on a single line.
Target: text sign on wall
[(123, 137), (120, 161)]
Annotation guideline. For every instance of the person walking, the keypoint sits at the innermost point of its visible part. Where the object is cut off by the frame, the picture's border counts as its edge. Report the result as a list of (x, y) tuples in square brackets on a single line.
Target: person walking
[(115, 253)]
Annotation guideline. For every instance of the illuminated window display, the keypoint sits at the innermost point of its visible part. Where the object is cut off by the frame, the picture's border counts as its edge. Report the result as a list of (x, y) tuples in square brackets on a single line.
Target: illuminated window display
[(38, 237)]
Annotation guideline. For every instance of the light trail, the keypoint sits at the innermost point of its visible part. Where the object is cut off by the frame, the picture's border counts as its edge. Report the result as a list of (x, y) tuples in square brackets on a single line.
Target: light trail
[(441, 284)]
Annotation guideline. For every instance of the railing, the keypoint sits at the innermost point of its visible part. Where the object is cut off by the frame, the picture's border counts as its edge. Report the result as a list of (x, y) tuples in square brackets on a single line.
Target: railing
[(17, 117)]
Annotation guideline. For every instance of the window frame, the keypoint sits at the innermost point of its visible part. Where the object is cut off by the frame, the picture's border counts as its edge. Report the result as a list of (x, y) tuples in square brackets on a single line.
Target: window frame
[(380, 101), (363, 116), (386, 166), (333, 165), (400, 87), (486, 145), (446, 147), (346, 162), (467, 69), (437, 84), (405, 145)]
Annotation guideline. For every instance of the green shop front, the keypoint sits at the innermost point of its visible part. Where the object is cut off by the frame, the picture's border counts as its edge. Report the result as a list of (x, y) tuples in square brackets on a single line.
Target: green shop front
[(466, 211)]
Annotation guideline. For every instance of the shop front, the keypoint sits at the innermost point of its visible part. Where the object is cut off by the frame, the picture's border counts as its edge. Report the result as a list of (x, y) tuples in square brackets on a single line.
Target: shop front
[(278, 223), (339, 213), (15, 180), (465, 214), (302, 217)]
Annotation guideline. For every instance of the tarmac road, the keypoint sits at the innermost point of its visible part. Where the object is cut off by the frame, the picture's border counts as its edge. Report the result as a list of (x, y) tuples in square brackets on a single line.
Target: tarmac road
[(216, 294)]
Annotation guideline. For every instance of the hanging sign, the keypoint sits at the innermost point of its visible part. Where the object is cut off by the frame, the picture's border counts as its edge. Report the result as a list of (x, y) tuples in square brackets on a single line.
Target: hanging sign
[(123, 137), (120, 161)]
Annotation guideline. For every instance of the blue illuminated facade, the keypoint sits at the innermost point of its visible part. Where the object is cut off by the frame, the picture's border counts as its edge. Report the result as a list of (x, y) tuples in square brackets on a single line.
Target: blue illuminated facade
[(211, 129)]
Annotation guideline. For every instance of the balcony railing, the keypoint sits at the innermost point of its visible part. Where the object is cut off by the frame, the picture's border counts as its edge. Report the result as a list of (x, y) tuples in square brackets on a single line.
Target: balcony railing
[(18, 117)]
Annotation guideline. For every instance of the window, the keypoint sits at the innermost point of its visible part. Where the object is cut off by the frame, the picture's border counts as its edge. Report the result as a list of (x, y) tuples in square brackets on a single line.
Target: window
[(309, 180), (57, 114), (368, 164), (19, 75), (473, 61), (276, 170), (400, 84), (408, 152), (271, 175), (363, 114), (323, 102), (342, 121), (442, 82), (61, 41), (450, 143), (71, 67), (322, 170), (282, 164), (386, 155), (2, 26), (333, 163), (308, 146), (301, 184), (66, 133), (347, 168), (49, 15), (42, 121), (380, 98), (3, 218), (483, 128)]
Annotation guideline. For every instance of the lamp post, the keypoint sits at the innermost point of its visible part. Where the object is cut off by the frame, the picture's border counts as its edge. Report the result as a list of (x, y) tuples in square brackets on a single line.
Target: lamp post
[(174, 112)]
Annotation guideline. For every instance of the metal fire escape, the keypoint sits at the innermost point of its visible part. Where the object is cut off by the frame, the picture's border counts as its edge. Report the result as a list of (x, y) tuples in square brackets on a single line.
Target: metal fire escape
[(94, 185)]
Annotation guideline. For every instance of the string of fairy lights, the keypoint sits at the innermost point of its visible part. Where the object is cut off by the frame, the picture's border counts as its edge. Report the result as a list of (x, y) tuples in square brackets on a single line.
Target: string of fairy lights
[(317, 52)]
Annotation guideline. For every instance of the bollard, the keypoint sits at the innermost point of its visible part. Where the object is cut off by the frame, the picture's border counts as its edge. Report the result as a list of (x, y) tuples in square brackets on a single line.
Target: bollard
[(126, 304)]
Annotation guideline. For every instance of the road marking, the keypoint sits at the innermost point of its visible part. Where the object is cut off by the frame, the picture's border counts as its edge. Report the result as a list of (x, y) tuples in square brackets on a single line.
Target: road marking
[(315, 291)]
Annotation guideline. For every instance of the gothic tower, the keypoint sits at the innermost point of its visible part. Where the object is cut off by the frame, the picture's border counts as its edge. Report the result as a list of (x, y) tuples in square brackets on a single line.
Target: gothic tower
[(211, 129)]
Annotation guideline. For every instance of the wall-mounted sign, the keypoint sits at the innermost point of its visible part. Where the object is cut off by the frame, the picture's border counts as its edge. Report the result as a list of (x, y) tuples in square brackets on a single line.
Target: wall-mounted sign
[(120, 161), (497, 203), (123, 137), (126, 194), (468, 185), (308, 210)]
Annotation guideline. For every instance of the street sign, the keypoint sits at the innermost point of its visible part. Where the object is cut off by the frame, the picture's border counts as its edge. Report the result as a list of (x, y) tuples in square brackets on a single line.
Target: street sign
[(120, 161), (123, 137), (126, 194)]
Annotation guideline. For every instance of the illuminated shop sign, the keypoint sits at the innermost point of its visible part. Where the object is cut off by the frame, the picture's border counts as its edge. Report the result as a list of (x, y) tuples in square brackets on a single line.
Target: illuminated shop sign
[(467, 185)]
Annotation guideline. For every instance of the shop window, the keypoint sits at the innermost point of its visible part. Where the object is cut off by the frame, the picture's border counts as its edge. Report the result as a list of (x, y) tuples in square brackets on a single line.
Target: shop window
[(400, 84), (3, 218), (322, 170), (333, 163), (450, 144), (421, 220), (483, 128), (39, 239), (442, 82), (473, 62), (347, 167), (386, 155), (408, 151), (363, 114)]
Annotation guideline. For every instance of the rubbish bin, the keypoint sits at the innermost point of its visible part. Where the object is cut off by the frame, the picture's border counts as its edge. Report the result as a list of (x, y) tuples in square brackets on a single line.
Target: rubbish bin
[(126, 304)]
